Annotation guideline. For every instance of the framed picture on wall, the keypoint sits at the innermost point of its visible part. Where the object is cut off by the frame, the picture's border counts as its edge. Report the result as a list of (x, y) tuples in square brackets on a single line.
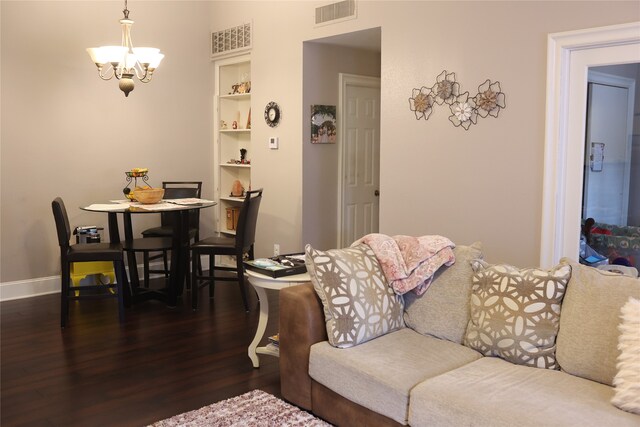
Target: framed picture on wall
[(323, 124)]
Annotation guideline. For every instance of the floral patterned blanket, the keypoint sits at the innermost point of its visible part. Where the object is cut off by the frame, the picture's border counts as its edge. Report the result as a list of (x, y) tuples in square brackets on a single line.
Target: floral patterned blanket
[(408, 262)]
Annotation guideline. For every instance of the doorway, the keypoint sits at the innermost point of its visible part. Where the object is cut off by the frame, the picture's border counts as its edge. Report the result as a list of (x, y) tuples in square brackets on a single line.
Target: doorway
[(356, 53), (569, 56), (608, 145)]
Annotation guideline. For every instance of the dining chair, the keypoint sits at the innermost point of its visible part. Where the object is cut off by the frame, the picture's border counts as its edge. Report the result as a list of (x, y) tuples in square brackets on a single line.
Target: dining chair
[(236, 246), (173, 190), (86, 252), (146, 245)]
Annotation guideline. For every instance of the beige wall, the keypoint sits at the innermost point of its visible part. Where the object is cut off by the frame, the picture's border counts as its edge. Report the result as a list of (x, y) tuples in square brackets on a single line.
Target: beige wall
[(486, 183), (65, 132), (483, 184)]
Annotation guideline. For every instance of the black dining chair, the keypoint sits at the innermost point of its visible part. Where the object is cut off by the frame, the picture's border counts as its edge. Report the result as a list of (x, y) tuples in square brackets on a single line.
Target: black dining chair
[(146, 246), (236, 246), (86, 252), (173, 190)]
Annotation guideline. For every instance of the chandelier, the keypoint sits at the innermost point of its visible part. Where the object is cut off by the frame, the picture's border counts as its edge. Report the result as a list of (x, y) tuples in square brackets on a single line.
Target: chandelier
[(125, 61)]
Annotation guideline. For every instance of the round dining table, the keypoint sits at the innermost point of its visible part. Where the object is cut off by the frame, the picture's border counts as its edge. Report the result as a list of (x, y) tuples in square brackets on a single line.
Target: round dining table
[(180, 242)]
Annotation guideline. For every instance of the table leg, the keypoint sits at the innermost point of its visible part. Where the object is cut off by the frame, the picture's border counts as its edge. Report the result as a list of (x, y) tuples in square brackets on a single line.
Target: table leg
[(114, 233), (184, 251), (114, 237), (179, 256), (131, 256), (262, 325)]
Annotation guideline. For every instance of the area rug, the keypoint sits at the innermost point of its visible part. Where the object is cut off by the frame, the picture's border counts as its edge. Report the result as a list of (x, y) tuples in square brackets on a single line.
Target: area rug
[(255, 408)]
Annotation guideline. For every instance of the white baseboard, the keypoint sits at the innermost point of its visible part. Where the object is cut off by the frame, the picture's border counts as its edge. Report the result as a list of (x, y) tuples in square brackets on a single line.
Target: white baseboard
[(44, 285), (29, 288)]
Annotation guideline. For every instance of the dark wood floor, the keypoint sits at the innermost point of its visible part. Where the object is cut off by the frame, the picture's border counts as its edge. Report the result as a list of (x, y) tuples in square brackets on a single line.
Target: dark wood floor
[(160, 363)]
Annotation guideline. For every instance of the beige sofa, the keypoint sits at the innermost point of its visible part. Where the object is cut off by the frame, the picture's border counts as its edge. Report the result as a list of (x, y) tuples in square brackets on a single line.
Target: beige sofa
[(423, 374)]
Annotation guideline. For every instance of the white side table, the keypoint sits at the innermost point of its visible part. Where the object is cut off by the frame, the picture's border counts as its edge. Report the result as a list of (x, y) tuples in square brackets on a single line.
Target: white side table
[(260, 282)]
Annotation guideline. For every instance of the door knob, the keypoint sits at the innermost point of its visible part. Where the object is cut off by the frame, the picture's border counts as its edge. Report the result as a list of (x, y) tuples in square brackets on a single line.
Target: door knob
[(376, 193)]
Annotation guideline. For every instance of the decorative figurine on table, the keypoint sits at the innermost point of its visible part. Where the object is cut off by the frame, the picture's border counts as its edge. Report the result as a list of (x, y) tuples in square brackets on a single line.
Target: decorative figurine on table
[(237, 190), (223, 124), (234, 125), (243, 154)]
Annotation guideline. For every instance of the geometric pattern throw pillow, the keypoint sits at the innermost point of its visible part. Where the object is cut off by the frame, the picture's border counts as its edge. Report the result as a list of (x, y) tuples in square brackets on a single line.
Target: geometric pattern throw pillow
[(515, 313), (359, 305)]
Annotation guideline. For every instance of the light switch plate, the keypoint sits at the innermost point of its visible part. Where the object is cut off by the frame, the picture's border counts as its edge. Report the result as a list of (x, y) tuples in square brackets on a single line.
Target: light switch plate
[(273, 143)]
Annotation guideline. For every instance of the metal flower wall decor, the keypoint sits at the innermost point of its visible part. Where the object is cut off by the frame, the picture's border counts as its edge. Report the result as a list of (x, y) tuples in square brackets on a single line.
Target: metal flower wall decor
[(465, 110)]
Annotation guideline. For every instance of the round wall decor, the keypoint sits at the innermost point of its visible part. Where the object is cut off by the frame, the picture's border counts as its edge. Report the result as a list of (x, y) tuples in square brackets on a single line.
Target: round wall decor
[(272, 114)]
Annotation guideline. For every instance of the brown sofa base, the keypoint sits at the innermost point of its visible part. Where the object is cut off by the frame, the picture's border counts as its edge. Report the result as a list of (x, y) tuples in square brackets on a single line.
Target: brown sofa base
[(302, 325), (339, 411)]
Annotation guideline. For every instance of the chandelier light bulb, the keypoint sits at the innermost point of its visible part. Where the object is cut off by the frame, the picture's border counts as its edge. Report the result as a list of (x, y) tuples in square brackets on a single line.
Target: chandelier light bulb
[(125, 61)]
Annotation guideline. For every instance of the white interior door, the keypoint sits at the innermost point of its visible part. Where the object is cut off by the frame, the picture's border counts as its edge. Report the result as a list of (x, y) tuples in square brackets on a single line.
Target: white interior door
[(360, 157), (608, 152)]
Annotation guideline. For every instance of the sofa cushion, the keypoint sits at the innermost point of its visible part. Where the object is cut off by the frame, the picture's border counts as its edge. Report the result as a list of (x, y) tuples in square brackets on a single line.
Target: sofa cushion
[(443, 311), (515, 313), (380, 374), (358, 303), (627, 380), (588, 336), (496, 393)]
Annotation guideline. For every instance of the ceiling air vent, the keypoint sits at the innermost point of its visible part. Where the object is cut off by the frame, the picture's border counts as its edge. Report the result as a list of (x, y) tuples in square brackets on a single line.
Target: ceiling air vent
[(335, 12), (231, 40)]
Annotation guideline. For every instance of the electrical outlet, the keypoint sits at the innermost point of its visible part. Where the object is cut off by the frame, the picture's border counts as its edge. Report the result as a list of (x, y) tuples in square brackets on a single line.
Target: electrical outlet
[(276, 249)]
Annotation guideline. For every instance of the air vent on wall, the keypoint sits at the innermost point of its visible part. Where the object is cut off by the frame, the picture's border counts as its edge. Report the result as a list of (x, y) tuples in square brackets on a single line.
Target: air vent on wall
[(333, 12), (231, 40)]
